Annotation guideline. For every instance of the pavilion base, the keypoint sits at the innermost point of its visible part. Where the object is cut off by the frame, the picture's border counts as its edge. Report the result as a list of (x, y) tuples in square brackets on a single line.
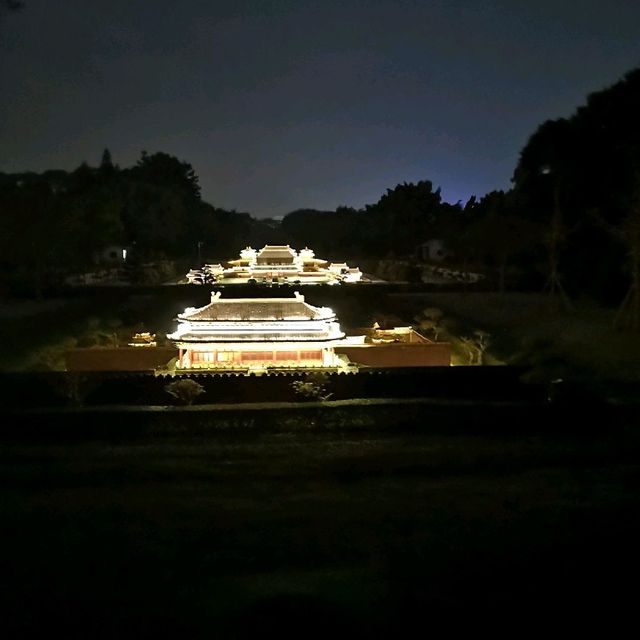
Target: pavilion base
[(263, 357), (255, 371)]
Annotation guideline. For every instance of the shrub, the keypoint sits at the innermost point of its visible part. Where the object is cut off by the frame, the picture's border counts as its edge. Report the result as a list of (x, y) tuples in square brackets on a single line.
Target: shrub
[(185, 390), (74, 387), (313, 387), (431, 320), (476, 345), (87, 340)]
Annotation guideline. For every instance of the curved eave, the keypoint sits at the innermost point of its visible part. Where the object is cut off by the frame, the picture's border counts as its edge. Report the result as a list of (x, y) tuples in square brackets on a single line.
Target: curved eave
[(207, 321), (186, 340)]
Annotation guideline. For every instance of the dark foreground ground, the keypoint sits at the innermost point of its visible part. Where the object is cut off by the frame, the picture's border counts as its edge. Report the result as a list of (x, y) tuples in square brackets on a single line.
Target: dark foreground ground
[(317, 534)]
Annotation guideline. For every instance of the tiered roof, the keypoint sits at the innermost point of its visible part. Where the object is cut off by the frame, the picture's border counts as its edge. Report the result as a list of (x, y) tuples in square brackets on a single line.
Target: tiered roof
[(276, 254), (256, 309), (257, 320)]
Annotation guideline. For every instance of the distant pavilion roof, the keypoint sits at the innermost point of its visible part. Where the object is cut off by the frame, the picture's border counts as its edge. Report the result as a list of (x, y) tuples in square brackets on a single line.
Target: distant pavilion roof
[(273, 252)]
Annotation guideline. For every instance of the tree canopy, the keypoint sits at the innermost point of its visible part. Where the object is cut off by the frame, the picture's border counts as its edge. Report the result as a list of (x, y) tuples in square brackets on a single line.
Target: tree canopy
[(585, 168), (563, 221)]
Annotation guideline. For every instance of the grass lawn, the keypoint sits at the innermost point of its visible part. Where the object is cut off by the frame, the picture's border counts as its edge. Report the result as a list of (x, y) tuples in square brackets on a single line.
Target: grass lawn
[(316, 533)]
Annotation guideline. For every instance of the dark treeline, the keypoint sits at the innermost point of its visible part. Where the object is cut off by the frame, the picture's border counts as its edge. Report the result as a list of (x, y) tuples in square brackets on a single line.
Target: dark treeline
[(570, 220), (579, 178), (58, 223)]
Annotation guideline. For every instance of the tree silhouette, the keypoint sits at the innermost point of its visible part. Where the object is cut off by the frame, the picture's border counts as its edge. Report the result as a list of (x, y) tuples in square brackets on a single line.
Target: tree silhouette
[(403, 217), (10, 5), (571, 168), (628, 315), (106, 161), (555, 240), (431, 319), (163, 170), (499, 233), (476, 345)]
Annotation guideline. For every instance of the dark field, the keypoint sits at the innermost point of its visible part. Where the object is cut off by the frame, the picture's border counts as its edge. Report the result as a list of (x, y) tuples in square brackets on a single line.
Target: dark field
[(230, 534)]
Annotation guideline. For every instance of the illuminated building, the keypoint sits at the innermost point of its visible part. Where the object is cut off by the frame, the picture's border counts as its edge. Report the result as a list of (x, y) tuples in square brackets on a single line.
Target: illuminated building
[(261, 335), (144, 339), (256, 333), (278, 263)]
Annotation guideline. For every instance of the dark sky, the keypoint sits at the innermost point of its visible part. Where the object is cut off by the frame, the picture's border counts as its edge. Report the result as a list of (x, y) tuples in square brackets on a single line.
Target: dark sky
[(287, 104)]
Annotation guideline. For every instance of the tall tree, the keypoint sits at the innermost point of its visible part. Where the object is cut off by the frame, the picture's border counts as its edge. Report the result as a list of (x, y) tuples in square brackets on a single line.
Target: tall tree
[(106, 163), (499, 234), (403, 217), (629, 232), (164, 170), (574, 168)]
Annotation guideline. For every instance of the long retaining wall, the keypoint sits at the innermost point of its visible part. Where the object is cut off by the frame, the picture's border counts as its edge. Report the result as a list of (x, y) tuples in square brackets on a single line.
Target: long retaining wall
[(51, 389), (119, 359), (426, 354), (126, 359)]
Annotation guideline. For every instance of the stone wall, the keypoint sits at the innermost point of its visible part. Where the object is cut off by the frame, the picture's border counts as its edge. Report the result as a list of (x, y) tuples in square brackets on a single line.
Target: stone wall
[(120, 359), (428, 354)]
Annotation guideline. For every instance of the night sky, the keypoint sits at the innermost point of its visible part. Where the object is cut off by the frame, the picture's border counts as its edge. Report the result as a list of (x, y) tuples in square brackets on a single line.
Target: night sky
[(290, 104)]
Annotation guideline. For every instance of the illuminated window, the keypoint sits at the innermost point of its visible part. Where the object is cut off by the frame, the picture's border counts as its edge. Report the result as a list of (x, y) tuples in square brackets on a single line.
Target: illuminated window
[(202, 356), (311, 355), (257, 355), (286, 355)]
